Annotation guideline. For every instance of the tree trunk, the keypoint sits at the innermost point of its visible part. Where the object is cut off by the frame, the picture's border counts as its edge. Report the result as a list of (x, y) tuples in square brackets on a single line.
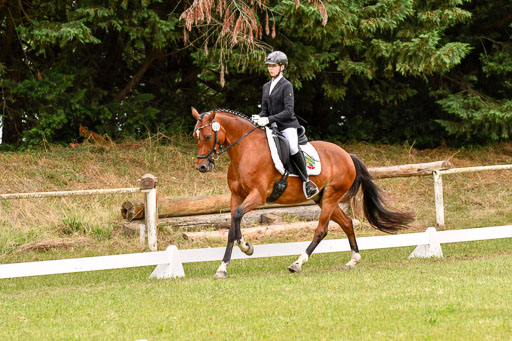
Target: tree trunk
[(223, 220), (154, 55), (11, 54)]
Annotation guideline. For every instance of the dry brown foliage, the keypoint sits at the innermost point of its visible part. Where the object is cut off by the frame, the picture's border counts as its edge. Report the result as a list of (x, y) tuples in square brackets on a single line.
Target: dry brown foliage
[(234, 23)]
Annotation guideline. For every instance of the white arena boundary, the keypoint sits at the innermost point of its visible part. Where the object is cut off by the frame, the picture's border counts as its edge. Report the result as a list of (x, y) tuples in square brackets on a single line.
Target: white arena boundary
[(169, 262)]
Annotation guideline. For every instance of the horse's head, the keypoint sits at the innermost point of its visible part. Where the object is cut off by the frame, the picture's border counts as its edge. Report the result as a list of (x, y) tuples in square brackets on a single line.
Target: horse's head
[(209, 136)]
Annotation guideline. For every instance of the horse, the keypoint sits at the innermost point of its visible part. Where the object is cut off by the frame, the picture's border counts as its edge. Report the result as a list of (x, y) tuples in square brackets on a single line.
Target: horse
[(251, 175)]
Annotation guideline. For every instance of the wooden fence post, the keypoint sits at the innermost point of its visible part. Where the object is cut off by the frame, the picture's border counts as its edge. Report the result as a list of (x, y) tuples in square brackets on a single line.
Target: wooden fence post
[(438, 197), (148, 184), (142, 233)]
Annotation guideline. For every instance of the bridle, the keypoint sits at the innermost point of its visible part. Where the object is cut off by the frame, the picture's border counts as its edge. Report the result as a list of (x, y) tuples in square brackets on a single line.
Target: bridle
[(215, 142), (217, 154)]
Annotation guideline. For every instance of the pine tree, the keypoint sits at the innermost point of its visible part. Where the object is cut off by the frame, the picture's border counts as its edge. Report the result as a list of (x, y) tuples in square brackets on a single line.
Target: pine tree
[(478, 95)]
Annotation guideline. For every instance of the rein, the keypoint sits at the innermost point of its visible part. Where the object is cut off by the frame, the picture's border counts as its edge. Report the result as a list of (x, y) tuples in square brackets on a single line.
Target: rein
[(214, 148)]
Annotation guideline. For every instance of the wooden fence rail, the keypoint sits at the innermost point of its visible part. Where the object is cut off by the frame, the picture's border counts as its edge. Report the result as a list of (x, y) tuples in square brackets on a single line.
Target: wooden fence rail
[(68, 193), (148, 184), (438, 185)]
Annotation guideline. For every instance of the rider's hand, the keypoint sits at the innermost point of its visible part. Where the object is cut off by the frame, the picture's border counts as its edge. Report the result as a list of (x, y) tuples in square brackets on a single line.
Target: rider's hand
[(255, 118), (263, 121)]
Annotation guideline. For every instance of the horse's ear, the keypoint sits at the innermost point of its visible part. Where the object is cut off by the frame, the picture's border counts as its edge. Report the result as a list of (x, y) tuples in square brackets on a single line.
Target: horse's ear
[(195, 113), (213, 114)]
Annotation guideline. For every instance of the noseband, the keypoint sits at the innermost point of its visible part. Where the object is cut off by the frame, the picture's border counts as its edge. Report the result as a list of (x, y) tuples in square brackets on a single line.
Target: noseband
[(217, 154)]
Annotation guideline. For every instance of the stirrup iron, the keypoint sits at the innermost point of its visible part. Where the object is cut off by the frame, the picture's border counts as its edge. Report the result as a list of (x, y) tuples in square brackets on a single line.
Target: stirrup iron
[(305, 192)]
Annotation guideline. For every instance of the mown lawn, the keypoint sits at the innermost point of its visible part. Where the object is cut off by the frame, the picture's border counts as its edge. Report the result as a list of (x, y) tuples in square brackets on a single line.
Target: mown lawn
[(465, 296)]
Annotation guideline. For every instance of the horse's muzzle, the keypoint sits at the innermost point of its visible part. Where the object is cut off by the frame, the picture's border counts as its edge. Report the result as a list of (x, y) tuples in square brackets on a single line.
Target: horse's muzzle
[(205, 167)]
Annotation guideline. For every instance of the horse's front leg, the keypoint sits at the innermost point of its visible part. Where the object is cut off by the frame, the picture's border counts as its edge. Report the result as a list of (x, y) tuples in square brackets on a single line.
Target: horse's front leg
[(253, 200)]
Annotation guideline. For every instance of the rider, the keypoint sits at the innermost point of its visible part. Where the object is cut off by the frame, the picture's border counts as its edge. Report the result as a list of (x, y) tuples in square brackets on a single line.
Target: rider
[(277, 107)]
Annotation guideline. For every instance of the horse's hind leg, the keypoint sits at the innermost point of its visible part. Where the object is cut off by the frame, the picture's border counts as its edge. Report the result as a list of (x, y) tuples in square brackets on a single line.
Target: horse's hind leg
[(320, 233), (346, 224)]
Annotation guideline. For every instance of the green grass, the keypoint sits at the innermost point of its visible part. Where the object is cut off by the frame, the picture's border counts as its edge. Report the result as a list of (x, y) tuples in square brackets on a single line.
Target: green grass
[(464, 296)]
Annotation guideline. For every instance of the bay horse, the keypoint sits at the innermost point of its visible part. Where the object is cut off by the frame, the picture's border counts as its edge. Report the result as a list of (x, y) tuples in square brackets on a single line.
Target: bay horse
[(251, 176)]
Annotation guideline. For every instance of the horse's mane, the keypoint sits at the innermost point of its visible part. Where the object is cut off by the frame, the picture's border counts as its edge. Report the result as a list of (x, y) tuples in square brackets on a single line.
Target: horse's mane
[(232, 112)]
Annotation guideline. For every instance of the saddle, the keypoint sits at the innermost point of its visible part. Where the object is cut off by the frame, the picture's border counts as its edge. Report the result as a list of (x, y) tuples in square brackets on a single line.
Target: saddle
[(283, 148), (280, 151)]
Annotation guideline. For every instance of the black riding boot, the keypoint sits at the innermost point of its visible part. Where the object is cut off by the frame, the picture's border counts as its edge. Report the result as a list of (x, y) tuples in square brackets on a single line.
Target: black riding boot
[(309, 187)]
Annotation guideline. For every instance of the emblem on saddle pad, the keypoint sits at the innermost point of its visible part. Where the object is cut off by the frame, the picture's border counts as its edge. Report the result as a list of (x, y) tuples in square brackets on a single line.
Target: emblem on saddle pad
[(310, 163), (312, 160)]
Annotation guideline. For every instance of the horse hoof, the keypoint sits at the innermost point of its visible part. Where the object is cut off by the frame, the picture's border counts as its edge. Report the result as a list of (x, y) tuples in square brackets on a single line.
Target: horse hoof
[(250, 250), (220, 275), (295, 267), (347, 267)]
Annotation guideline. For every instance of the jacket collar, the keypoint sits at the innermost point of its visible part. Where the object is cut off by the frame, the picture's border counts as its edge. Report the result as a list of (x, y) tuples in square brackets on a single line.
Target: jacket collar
[(278, 78), (278, 83)]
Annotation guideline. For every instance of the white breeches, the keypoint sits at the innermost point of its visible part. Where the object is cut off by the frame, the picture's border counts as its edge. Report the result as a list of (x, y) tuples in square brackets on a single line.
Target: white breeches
[(293, 139)]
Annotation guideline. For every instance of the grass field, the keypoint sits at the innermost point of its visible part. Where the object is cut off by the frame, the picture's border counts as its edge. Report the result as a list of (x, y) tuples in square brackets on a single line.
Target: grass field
[(464, 296)]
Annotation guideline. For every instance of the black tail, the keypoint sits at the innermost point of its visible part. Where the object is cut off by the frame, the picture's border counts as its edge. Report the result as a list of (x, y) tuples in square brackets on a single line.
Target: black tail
[(378, 216)]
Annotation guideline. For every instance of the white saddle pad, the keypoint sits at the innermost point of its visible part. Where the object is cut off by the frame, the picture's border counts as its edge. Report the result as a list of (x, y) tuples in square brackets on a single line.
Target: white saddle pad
[(310, 155)]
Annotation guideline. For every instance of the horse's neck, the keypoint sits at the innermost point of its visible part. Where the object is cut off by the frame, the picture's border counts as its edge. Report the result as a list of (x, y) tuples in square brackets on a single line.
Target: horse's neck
[(235, 128)]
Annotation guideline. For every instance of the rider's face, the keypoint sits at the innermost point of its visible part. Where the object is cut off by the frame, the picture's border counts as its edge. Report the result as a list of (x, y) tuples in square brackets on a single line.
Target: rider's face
[(274, 69)]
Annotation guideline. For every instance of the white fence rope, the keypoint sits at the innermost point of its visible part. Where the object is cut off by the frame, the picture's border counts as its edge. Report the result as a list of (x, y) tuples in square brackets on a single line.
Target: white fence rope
[(170, 261)]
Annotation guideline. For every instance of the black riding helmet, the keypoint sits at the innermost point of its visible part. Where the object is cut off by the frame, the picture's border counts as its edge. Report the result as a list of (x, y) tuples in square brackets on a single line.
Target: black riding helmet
[(277, 57)]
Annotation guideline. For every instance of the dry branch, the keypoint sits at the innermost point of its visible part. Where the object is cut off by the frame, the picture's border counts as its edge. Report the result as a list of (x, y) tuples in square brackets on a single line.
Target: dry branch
[(154, 55)]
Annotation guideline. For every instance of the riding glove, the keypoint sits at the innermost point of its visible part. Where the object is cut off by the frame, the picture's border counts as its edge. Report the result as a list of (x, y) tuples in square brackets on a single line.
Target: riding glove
[(263, 121), (255, 118)]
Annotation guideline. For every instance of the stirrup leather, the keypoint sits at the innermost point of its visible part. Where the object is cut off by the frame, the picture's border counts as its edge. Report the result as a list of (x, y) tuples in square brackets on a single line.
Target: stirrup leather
[(311, 191)]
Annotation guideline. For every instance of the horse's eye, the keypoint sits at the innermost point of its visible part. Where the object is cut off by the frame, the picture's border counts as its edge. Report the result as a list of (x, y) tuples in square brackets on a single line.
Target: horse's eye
[(208, 138)]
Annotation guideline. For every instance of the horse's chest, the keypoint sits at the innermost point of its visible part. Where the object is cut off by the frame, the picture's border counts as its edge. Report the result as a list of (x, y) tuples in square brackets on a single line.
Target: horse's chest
[(241, 179)]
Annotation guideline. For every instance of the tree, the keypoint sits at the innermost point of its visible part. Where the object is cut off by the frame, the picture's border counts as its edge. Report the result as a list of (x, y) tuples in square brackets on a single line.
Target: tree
[(478, 94), (387, 70), (79, 62), (366, 65)]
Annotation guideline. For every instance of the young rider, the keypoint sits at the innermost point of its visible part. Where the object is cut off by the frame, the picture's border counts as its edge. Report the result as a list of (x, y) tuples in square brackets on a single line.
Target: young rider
[(277, 107)]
